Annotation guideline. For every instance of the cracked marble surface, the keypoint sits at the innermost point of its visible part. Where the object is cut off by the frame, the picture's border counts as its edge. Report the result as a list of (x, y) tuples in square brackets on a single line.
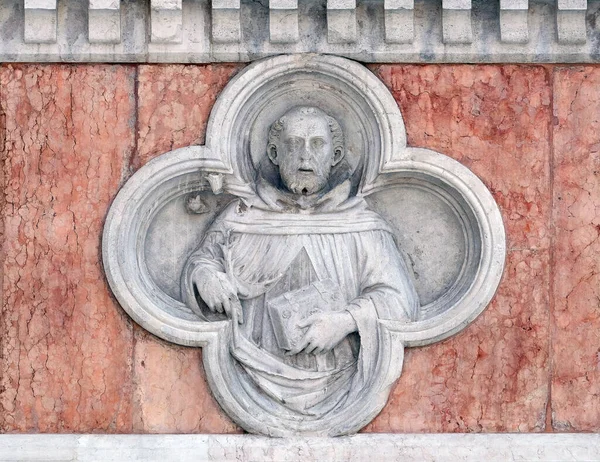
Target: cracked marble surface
[(576, 279), (171, 393), (65, 345), (71, 361), (174, 103), (493, 376)]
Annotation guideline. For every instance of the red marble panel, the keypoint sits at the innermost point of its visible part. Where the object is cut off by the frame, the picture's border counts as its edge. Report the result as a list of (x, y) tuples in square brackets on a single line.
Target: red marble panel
[(65, 345), (576, 275), (494, 376), (172, 395), (2, 203), (174, 102)]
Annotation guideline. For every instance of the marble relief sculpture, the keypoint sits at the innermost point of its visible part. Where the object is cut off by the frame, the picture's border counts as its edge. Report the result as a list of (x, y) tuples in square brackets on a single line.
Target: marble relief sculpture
[(304, 246), (304, 269)]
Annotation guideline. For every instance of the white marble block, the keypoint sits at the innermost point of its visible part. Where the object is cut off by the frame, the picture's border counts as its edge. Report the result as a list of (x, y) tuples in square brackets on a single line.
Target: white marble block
[(286, 284), (456, 22), (341, 21), (283, 21), (570, 21), (399, 21), (166, 21), (104, 21), (514, 21), (226, 21), (40, 21), (374, 31)]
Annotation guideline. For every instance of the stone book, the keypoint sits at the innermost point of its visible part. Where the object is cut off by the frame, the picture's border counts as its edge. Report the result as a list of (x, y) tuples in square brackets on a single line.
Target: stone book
[(288, 309)]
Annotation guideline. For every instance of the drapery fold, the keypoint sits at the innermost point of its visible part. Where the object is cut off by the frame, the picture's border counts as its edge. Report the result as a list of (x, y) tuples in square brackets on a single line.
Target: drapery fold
[(270, 247)]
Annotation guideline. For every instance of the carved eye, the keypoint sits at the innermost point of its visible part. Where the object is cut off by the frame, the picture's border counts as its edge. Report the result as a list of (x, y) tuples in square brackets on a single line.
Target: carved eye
[(318, 143), (294, 144)]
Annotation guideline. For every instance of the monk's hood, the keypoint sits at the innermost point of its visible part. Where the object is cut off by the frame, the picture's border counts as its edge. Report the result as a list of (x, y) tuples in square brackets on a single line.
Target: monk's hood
[(272, 211)]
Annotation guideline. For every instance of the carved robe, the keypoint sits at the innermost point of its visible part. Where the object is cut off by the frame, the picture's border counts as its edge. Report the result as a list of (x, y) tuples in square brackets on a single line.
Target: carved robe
[(275, 244)]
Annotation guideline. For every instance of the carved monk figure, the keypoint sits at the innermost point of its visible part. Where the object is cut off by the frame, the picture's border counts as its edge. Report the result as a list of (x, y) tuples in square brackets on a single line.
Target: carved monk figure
[(306, 271)]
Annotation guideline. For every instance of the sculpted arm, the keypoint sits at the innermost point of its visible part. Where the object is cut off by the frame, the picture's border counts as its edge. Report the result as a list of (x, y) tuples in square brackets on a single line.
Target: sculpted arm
[(387, 290), (204, 275)]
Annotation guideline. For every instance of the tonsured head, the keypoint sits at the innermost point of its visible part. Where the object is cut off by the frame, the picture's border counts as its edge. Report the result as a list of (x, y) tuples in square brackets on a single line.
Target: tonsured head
[(305, 143)]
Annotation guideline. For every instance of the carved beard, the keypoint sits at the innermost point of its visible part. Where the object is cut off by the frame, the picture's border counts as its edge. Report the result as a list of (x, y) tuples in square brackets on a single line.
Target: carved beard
[(306, 183)]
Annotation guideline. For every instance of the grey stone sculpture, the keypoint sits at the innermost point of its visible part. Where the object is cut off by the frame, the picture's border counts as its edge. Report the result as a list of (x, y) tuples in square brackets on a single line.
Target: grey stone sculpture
[(305, 270), (276, 246)]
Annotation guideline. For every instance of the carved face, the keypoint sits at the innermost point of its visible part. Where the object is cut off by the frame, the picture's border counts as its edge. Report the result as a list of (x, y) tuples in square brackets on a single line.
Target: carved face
[(305, 152)]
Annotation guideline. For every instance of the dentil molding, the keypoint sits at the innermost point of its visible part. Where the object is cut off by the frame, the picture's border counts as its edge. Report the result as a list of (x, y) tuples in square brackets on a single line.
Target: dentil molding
[(201, 31)]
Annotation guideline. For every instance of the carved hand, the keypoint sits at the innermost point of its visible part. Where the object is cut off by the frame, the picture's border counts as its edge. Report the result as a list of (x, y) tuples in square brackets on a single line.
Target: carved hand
[(325, 331), (218, 293)]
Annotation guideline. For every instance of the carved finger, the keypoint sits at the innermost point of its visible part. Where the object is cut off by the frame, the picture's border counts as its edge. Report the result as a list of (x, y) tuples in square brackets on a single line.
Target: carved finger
[(211, 306), (218, 307), (196, 307), (207, 299), (306, 322), (330, 346), (227, 307), (211, 303), (230, 291), (311, 348), (299, 347), (237, 306)]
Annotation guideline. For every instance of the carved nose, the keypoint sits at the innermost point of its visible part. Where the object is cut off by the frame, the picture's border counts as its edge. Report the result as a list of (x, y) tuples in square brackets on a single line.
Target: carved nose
[(305, 155)]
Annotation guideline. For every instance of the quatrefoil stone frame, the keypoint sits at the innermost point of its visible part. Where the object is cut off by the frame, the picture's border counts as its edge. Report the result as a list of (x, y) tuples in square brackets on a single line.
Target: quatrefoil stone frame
[(235, 134)]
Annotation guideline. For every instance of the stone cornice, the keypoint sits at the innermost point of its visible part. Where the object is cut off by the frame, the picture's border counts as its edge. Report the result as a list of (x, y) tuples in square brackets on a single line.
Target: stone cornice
[(200, 31)]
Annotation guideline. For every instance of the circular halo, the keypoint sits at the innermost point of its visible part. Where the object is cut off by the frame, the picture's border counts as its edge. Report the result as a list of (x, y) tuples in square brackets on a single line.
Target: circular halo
[(346, 90)]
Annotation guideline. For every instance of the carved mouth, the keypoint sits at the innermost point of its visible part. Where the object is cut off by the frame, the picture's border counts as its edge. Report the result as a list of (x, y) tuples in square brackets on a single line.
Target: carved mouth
[(306, 170)]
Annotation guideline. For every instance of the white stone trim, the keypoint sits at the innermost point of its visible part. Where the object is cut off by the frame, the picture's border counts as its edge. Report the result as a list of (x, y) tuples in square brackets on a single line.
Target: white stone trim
[(283, 21), (39, 21), (500, 447), (226, 21), (456, 21), (514, 21), (341, 21), (202, 31), (166, 21), (570, 21), (399, 21), (104, 21)]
